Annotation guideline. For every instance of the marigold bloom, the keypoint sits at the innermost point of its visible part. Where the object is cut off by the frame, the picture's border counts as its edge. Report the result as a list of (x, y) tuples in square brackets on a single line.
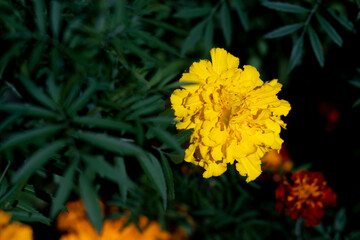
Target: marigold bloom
[(234, 114), (78, 227), (15, 230), (277, 162), (306, 197)]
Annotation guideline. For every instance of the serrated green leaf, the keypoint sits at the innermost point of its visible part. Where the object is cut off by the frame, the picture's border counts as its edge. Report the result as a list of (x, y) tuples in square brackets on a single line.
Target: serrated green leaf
[(30, 135), (37, 160), (104, 123), (242, 15), (167, 139), (193, 12), (285, 7), (331, 32), (110, 143), (193, 38), (37, 93), (84, 98), (40, 15), (296, 53), (316, 46), (225, 21), (63, 190), (154, 172), (342, 20), (284, 30), (209, 36), (27, 109), (91, 203)]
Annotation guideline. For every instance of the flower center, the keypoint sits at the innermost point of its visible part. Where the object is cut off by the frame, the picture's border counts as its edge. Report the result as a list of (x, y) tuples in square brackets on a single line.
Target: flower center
[(304, 190), (225, 117)]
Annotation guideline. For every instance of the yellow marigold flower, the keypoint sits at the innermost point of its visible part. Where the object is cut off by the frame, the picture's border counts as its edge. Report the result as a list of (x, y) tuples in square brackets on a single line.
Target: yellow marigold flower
[(15, 230), (234, 114)]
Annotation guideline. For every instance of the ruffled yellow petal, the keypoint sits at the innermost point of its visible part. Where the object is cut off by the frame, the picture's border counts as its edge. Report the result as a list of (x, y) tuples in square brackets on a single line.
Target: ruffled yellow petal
[(234, 114), (214, 169), (222, 60)]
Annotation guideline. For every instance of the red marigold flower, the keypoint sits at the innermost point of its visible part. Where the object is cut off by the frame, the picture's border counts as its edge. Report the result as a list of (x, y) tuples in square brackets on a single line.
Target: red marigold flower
[(305, 196)]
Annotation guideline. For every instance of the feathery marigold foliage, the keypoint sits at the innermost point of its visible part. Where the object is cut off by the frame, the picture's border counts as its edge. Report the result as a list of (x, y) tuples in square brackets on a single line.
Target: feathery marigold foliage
[(234, 114)]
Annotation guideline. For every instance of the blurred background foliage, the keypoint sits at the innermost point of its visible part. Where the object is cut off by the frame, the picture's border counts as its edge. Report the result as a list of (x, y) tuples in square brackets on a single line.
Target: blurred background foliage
[(85, 112)]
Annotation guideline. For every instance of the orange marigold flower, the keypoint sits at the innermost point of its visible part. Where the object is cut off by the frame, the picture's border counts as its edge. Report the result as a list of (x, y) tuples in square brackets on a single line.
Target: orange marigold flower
[(305, 197), (14, 230), (277, 163), (78, 227)]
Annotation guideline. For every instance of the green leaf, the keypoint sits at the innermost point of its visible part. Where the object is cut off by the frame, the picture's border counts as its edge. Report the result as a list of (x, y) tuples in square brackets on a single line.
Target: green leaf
[(123, 178), (340, 220), (109, 143), (165, 25), (192, 12), (225, 21), (167, 139), (37, 52), (316, 46), (356, 103), (91, 203), (331, 32), (183, 135), (154, 172), (193, 37), (84, 98), (296, 52), (209, 36), (40, 15), (27, 109), (243, 16), (37, 160), (63, 190), (106, 170), (342, 20), (29, 136), (55, 17), (24, 216), (8, 121), (285, 7), (37, 92), (284, 30), (103, 123), (168, 175), (155, 42), (147, 102)]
